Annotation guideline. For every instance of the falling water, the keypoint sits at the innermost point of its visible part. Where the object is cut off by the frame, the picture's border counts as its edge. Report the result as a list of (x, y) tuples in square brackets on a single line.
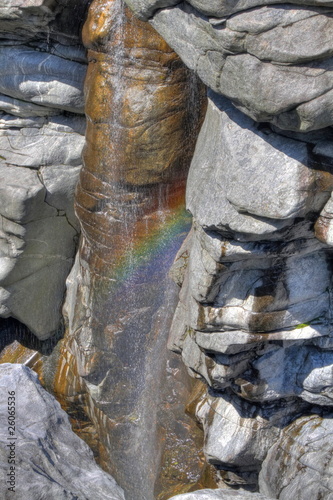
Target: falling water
[(133, 220), (130, 202)]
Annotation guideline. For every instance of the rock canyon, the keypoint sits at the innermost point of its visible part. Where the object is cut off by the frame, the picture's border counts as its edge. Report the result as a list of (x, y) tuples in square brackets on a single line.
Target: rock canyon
[(165, 249)]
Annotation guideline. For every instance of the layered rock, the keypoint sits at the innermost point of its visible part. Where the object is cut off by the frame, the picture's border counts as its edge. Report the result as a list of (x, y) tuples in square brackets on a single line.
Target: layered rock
[(254, 315), (141, 127), (306, 470), (220, 495), (273, 61), (142, 120), (42, 128), (42, 457)]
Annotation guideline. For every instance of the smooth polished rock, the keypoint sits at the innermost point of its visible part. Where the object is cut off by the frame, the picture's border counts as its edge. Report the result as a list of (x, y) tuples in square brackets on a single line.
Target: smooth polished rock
[(239, 434), (215, 8), (221, 8), (281, 34), (243, 81), (297, 371), (42, 78), (141, 128), (57, 141), (24, 109), (253, 319), (299, 464), (50, 461), (35, 261), (37, 244), (235, 165), (313, 115), (225, 494), (22, 195), (144, 9), (265, 60), (60, 183)]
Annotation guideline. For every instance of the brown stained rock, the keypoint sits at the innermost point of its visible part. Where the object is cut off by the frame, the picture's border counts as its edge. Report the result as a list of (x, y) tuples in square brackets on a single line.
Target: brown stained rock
[(137, 101), (141, 125), (56, 368), (143, 111)]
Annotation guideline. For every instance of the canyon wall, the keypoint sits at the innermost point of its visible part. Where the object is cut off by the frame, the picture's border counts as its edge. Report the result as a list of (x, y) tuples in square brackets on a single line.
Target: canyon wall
[(43, 65), (252, 324), (105, 360), (254, 314)]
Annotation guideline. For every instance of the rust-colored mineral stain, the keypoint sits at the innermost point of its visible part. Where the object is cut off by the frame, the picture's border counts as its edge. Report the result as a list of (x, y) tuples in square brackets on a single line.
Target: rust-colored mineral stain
[(58, 374), (142, 124)]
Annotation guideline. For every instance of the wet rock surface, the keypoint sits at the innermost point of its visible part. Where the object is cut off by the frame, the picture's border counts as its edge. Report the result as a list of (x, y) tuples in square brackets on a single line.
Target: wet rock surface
[(50, 460), (273, 61), (141, 128), (254, 317), (136, 155), (254, 314)]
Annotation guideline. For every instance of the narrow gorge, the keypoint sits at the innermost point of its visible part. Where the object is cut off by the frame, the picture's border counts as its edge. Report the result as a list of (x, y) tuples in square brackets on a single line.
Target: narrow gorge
[(165, 249)]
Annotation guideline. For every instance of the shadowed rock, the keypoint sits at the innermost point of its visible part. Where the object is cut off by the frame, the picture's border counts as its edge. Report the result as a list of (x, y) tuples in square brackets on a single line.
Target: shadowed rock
[(43, 65)]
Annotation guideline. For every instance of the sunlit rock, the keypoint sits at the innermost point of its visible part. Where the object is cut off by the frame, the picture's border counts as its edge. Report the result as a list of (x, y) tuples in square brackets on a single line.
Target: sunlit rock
[(299, 464), (61, 85), (264, 58), (254, 314), (227, 494), (141, 127), (50, 461)]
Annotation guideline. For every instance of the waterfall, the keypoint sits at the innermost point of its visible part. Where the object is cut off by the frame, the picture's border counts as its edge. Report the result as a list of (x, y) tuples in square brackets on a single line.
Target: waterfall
[(130, 202)]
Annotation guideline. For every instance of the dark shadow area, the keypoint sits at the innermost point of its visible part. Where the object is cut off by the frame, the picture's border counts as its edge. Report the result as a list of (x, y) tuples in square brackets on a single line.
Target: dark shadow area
[(12, 330)]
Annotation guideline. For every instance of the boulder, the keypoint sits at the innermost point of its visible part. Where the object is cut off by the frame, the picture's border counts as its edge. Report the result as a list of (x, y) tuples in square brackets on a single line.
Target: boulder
[(220, 494), (299, 465), (41, 457)]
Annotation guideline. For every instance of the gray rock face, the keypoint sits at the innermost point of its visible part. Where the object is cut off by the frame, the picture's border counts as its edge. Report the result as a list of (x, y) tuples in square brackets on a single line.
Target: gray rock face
[(233, 183), (42, 131), (144, 9), (39, 228), (305, 469), (239, 434), (220, 495), (273, 61), (254, 313), (50, 461), (27, 15), (44, 142), (254, 317), (42, 78), (215, 8)]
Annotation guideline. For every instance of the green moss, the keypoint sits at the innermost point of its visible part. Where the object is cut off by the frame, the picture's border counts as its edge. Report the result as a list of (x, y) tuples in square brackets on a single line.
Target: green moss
[(311, 322)]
